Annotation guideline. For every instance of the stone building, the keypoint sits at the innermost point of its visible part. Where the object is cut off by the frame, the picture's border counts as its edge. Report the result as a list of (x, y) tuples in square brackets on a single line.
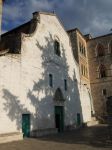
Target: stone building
[(100, 70), (51, 80), (94, 56), (80, 52), (41, 89)]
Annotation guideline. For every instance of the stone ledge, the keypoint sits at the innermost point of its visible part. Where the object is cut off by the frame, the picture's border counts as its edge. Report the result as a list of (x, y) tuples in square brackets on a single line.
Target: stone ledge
[(92, 123), (9, 137)]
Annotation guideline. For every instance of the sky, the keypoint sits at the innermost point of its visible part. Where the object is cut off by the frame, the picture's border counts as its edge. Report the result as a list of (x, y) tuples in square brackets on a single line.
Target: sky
[(89, 16)]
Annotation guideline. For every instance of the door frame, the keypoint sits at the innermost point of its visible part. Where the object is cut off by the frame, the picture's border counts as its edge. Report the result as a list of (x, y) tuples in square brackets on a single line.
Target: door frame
[(29, 124), (78, 119), (59, 110)]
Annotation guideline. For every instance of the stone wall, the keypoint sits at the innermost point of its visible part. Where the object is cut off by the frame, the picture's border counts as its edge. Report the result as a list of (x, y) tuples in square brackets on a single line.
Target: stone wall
[(73, 39), (99, 84), (78, 41)]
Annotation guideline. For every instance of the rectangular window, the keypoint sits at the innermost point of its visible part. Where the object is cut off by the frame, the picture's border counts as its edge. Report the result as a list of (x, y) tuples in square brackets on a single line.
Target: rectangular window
[(84, 52), (86, 72), (57, 48), (50, 80), (80, 46), (82, 49), (65, 84), (104, 92), (82, 69)]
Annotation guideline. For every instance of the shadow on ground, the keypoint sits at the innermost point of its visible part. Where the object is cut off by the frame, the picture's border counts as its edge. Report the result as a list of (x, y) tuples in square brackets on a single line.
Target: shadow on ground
[(93, 138), (97, 136)]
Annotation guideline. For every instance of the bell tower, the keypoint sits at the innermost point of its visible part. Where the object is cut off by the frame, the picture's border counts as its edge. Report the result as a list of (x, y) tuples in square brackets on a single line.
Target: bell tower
[(1, 7)]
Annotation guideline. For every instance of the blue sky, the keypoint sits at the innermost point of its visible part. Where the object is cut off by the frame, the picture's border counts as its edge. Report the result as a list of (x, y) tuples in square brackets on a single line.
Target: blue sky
[(90, 16)]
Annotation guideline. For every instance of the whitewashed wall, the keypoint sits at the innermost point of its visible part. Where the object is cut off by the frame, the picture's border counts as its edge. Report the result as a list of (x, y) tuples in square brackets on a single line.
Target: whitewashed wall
[(24, 79), (86, 105)]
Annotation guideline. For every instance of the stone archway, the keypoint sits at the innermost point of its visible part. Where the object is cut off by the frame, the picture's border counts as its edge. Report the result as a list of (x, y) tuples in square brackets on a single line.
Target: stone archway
[(58, 96), (59, 110)]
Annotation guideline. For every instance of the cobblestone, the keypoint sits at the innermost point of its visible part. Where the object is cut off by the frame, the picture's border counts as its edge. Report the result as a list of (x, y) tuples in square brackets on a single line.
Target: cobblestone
[(92, 138)]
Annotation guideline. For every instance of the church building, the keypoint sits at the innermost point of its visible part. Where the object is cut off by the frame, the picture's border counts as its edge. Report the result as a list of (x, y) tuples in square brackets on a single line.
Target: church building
[(41, 90), (52, 80)]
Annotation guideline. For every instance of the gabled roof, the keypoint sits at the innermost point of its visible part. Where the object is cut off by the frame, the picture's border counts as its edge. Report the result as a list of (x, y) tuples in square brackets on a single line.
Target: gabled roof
[(22, 28)]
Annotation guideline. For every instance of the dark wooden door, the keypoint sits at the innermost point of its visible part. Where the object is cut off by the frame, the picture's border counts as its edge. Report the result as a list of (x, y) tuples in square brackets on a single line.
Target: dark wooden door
[(59, 118), (26, 125)]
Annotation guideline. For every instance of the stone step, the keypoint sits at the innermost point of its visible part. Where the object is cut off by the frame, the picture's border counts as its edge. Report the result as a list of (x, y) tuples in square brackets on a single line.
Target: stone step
[(9, 137), (92, 123), (93, 119)]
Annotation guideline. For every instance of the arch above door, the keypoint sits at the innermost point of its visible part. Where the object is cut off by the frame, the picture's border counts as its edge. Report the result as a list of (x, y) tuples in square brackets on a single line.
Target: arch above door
[(58, 96)]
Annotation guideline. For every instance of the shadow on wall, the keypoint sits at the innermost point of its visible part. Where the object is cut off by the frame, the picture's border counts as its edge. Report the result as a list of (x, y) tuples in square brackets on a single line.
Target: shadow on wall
[(13, 105)]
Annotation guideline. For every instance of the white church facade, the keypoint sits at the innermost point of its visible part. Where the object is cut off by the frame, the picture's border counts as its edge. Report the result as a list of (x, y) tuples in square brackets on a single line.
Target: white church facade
[(40, 88)]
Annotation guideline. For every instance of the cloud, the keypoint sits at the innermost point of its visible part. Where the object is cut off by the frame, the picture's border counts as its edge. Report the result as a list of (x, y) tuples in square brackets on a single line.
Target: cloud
[(89, 16)]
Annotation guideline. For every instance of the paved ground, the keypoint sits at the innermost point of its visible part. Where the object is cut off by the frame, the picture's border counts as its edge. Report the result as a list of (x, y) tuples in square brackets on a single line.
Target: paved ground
[(93, 138)]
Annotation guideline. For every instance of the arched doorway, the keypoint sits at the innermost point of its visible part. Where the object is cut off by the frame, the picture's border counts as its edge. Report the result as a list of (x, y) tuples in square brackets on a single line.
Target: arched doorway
[(59, 110)]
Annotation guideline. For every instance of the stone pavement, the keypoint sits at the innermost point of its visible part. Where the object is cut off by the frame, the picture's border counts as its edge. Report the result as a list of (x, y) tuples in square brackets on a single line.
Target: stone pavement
[(92, 138)]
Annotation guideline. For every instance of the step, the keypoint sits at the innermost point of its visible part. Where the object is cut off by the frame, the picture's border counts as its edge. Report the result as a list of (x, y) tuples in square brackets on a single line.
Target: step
[(92, 123), (9, 137), (93, 119)]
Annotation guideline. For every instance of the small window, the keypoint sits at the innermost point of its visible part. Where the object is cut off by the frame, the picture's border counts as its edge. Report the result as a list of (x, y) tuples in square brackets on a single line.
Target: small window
[(57, 48), (80, 46), (102, 71), (84, 52), (86, 72), (104, 92), (110, 47), (82, 49), (50, 80), (82, 69), (65, 84), (100, 50)]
